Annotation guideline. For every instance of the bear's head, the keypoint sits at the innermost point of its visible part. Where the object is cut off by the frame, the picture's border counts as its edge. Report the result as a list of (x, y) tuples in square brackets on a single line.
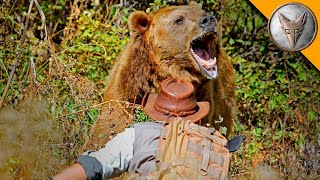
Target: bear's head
[(183, 41)]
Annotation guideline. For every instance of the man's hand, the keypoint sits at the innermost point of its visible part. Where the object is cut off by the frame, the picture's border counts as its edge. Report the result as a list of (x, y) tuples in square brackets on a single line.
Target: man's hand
[(74, 172)]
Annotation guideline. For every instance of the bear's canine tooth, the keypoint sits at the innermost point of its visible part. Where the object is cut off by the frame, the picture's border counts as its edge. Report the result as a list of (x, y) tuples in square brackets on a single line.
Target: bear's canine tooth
[(214, 61)]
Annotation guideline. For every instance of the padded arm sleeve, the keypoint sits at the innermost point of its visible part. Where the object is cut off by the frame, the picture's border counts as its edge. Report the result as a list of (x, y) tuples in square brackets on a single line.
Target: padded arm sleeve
[(112, 160)]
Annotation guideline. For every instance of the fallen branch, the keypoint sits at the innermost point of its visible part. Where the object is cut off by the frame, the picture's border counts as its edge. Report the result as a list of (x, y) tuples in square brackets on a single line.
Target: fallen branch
[(18, 56), (43, 19)]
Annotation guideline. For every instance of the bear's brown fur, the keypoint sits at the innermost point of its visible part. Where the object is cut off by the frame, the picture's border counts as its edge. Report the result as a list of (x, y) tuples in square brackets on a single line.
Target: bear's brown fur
[(160, 47)]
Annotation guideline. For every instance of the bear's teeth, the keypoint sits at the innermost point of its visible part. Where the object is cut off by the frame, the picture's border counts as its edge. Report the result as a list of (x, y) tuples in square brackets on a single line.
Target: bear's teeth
[(214, 61), (209, 66)]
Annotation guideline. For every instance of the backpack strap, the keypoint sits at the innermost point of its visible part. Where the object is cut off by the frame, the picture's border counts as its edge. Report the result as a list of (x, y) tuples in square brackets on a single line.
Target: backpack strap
[(209, 133), (205, 157), (194, 163), (216, 158)]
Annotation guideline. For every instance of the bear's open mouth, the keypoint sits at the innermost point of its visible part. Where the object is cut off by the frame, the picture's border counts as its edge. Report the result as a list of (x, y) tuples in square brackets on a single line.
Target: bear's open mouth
[(201, 51)]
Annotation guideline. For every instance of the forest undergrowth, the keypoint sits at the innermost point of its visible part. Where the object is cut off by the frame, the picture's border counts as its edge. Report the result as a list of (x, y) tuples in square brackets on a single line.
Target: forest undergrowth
[(62, 51)]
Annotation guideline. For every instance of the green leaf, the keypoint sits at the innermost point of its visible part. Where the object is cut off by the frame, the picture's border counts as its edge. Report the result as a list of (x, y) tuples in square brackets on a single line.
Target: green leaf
[(272, 103), (231, 41)]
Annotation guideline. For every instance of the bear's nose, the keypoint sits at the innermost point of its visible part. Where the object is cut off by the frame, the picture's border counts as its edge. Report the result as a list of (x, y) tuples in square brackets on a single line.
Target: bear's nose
[(208, 22)]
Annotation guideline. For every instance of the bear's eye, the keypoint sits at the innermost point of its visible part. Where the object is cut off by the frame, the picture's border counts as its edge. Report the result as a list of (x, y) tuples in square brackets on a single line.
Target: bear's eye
[(179, 21)]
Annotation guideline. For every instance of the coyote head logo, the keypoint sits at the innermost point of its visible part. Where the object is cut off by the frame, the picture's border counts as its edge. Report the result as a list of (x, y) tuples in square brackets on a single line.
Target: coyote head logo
[(292, 29)]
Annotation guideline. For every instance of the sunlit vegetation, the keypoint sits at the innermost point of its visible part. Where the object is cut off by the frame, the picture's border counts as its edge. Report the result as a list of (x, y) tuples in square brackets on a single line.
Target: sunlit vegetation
[(58, 84)]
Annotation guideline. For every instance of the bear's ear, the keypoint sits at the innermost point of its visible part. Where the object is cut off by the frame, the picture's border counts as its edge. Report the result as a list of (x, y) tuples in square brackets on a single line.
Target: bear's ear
[(139, 22), (194, 3)]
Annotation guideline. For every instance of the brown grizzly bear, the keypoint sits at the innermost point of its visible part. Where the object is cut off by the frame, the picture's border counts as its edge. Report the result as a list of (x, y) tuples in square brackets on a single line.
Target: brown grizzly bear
[(182, 42)]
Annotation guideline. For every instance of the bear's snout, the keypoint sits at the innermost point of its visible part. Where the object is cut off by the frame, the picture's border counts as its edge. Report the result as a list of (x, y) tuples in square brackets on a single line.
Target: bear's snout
[(208, 23)]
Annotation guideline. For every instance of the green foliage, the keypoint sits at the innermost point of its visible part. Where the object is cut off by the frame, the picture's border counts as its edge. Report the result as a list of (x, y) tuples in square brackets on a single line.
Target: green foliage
[(95, 45), (140, 116), (157, 4), (92, 115), (223, 130), (277, 91)]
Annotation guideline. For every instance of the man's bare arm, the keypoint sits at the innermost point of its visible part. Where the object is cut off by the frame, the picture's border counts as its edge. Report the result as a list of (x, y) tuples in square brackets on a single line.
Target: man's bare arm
[(75, 172)]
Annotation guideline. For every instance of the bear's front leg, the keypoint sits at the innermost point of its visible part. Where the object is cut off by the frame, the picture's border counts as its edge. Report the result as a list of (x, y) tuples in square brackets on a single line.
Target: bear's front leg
[(113, 120)]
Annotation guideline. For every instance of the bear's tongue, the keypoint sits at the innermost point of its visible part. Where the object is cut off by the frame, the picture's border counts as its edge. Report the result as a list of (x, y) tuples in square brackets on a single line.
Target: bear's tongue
[(202, 47), (202, 53), (208, 65)]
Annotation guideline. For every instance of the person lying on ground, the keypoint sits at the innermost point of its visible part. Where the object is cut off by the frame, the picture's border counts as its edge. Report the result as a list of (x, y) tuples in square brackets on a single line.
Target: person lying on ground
[(153, 149)]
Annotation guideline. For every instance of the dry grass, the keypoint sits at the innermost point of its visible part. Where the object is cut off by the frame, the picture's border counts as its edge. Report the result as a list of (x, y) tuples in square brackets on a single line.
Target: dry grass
[(45, 129), (30, 144), (50, 108)]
